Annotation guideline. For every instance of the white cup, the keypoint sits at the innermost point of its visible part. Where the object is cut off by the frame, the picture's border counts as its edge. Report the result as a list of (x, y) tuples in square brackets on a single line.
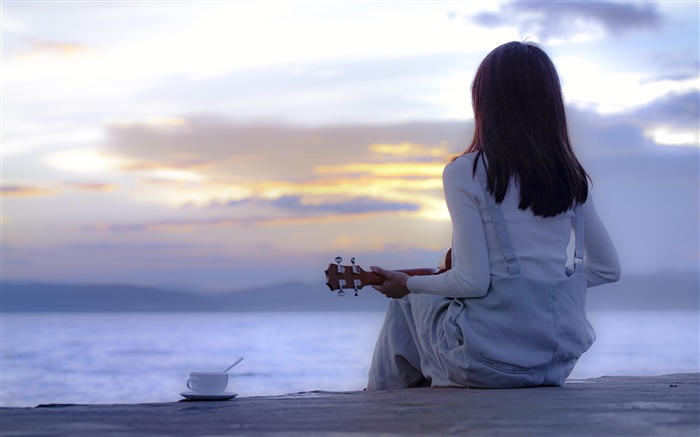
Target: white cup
[(208, 382)]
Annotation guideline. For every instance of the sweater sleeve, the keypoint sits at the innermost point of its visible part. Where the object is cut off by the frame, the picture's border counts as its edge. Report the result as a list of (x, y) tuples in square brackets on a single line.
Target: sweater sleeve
[(470, 272), (601, 264)]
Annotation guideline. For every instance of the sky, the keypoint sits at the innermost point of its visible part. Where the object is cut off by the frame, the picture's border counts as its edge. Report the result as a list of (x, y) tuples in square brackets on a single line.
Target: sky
[(222, 145)]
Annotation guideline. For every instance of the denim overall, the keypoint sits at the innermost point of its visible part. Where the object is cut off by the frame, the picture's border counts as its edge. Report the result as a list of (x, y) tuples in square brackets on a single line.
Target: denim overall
[(524, 332)]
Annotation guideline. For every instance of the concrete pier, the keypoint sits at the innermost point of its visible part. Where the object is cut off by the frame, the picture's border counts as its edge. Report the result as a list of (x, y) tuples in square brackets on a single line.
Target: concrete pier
[(607, 406)]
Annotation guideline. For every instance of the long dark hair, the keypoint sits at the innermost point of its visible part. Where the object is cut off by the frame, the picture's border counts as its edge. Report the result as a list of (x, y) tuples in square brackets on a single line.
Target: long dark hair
[(520, 127)]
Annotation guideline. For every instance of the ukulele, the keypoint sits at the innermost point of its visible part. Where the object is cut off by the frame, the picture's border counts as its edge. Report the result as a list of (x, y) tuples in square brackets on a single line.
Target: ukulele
[(341, 277)]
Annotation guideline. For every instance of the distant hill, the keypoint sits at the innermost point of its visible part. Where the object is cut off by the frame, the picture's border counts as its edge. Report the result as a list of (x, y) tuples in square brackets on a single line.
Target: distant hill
[(667, 291), (661, 291), (293, 296)]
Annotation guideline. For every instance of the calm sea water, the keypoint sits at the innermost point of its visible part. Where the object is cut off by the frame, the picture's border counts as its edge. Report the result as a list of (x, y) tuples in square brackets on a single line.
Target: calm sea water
[(137, 357)]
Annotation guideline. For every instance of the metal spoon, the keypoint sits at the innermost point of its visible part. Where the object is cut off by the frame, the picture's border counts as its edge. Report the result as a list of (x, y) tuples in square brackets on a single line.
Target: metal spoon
[(231, 366)]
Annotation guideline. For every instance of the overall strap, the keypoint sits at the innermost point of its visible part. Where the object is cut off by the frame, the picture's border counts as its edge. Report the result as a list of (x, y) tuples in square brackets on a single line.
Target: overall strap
[(499, 222), (578, 248), (509, 256)]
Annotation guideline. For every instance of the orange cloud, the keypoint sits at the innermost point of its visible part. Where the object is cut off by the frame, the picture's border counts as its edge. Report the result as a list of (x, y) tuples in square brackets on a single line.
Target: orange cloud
[(26, 191), (92, 186), (162, 182), (412, 150), (407, 169), (363, 183), (47, 48), (330, 172), (265, 151)]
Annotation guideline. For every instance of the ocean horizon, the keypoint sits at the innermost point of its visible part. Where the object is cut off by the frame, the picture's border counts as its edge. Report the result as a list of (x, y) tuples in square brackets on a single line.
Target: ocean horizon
[(103, 358), (658, 291)]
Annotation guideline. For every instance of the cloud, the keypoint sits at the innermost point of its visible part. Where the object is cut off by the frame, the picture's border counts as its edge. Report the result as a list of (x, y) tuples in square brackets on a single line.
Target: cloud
[(400, 169), (358, 205), (672, 120), (212, 161), (674, 64), (379, 89), (85, 160), (637, 131), (275, 175), (20, 191), (150, 247), (53, 48), (92, 186), (679, 110), (272, 150), (208, 160), (596, 136), (411, 151), (214, 150), (283, 211), (188, 226), (31, 62), (563, 20)]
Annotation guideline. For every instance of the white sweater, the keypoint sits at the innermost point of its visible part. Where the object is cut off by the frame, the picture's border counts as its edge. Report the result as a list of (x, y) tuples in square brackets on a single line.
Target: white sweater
[(540, 243)]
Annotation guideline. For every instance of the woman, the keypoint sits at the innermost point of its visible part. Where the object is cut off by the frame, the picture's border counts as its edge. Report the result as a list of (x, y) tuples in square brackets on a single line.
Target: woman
[(510, 312)]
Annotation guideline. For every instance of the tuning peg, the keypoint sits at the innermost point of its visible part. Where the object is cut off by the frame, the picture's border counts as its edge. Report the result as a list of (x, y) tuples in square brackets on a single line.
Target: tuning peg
[(355, 270), (341, 269), (341, 284)]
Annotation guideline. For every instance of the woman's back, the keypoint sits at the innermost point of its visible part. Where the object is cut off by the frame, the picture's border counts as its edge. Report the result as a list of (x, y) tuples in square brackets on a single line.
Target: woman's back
[(540, 243)]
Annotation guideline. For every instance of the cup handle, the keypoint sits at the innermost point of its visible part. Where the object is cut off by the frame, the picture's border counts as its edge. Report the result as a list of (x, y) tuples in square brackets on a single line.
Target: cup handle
[(190, 383)]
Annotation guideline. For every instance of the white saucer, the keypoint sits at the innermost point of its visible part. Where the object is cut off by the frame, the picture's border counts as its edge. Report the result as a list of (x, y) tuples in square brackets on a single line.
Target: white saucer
[(194, 396)]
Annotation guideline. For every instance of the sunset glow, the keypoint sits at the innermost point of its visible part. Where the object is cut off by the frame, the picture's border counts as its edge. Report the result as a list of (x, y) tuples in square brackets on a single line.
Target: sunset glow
[(157, 142)]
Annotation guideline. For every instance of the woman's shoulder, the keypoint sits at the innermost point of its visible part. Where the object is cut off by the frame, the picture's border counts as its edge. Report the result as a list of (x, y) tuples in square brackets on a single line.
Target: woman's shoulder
[(462, 162), (462, 167), (459, 175)]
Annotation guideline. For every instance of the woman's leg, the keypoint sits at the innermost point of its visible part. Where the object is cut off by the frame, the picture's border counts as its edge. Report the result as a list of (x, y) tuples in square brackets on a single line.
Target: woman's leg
[(396, 361)]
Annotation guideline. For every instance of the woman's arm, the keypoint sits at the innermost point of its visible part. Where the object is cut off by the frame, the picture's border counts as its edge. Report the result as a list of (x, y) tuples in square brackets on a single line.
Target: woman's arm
[(470, 274), (601, 264)]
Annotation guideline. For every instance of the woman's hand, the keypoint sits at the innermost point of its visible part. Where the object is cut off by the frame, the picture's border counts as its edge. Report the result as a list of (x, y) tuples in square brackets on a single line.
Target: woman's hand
[(394, 285)]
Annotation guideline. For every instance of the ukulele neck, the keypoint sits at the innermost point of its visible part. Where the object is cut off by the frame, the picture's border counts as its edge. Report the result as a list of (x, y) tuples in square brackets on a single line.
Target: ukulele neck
[(375, 279)]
